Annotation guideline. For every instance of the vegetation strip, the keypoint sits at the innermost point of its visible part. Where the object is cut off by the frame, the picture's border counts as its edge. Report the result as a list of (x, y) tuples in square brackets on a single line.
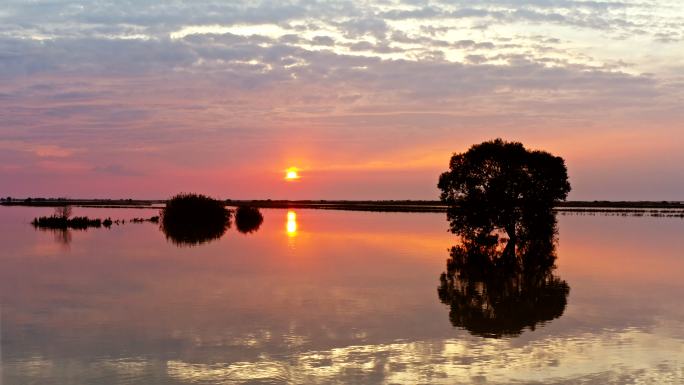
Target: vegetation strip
[(387, 206)]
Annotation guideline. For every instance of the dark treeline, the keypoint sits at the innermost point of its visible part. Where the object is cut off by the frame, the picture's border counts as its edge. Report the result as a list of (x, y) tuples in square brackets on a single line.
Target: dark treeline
[(353, 205), (660, 213), (622, 204), (380, 206), (52, 202)]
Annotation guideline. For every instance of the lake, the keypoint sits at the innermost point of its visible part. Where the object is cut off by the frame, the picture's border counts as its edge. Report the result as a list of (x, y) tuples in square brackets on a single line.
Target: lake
[(321, 297)]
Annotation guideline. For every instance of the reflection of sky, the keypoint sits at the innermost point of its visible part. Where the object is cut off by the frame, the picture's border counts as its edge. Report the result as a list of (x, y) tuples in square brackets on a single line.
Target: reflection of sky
[(456, 361), (355, 301), (369, 99)]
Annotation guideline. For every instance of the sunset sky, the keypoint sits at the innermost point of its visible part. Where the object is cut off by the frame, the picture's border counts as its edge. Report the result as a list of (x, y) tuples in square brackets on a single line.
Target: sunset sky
[(366, 100)]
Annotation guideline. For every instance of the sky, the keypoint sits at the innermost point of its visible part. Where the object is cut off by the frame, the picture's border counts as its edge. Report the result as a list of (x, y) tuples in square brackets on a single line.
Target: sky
[(368, 99)]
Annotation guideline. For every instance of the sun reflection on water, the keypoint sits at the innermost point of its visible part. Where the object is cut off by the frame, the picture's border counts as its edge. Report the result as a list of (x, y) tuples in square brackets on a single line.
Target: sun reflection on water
[(291, 225)]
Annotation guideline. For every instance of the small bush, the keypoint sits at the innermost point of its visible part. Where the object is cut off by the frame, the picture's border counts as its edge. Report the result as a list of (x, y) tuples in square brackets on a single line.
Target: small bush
[(248, 219), (191, 219)]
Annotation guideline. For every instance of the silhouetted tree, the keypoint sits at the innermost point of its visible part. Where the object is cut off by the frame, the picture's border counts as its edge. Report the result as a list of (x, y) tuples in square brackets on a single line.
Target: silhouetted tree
[(501, 185), (248, 219), (191, 219), (496, 285), (63, 212)]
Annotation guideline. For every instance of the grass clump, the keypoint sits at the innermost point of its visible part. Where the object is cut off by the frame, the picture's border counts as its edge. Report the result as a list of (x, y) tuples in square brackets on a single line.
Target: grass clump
[(56, 222)]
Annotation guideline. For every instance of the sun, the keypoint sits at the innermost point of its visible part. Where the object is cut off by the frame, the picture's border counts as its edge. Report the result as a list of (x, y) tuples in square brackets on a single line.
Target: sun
[(291, 174)]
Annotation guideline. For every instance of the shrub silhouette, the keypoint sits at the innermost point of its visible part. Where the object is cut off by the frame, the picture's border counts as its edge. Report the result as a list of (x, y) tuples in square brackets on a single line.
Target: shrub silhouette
[(60, 222), (192, 219), (248, 219)]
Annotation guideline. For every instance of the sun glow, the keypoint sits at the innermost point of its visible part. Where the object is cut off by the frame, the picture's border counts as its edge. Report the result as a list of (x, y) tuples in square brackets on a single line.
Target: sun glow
[(291, 174)]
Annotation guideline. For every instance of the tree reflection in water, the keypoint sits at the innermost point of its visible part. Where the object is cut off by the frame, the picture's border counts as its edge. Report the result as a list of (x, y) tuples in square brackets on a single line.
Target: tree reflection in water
[(496, 287), (62, 236)]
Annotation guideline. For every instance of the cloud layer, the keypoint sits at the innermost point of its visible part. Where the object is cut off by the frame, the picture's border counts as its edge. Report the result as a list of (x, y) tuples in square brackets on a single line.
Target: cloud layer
[(368, 98)]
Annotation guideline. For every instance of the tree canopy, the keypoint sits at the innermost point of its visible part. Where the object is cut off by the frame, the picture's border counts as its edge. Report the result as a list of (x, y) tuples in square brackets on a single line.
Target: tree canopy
[(501, 185)]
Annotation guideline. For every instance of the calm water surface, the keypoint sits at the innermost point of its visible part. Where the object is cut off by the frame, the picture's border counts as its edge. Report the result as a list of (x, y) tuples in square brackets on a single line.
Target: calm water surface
[(325, 297)]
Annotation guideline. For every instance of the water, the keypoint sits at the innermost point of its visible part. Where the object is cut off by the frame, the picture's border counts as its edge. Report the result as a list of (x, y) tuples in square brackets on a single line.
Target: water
[(325, 297)]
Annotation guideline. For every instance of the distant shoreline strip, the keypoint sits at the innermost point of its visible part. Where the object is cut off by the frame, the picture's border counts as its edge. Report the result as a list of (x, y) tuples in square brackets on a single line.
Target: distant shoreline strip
[(651, 208)]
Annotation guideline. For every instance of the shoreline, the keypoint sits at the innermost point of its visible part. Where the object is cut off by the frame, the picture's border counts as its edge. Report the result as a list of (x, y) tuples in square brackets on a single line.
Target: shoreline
[(351, 205)]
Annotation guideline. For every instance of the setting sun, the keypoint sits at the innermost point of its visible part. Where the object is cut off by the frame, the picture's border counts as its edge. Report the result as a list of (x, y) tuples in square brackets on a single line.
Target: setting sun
[(291, 174)]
